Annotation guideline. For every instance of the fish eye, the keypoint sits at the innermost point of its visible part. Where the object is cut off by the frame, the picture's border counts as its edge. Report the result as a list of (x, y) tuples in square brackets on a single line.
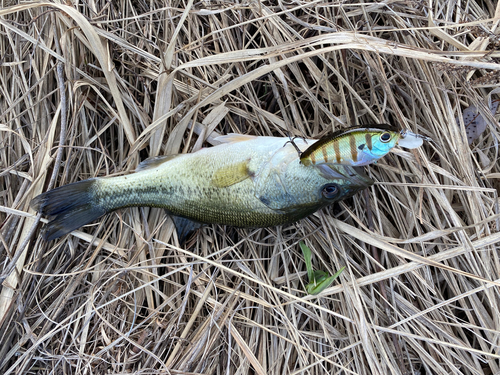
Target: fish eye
[(385, 137), (330, 191)]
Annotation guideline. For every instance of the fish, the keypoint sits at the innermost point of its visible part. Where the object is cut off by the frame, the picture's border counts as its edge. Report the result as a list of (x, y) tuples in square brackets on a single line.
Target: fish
[(359, 146), (245, 181)]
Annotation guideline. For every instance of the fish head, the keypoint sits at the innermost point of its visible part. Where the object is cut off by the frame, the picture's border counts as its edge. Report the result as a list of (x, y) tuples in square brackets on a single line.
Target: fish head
[(359, 146), (381, 141), (340, 182), (387, 137), (384, 140), (286, 185)]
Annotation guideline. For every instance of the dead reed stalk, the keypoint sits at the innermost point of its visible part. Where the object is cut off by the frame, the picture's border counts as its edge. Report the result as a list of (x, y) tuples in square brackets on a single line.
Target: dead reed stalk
[(420, 291)]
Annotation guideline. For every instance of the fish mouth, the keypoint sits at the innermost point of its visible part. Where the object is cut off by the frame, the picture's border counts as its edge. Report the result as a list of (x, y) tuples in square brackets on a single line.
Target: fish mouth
[(355, 175), (358, 181), (358, 176)]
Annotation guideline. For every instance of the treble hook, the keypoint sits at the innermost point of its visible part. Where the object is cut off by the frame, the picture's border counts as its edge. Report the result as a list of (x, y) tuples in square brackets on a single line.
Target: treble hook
[(291, 141)]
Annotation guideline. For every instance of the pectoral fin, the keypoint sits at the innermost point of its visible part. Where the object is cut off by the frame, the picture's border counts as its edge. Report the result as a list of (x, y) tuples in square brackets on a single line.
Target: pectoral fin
[(231, 174)]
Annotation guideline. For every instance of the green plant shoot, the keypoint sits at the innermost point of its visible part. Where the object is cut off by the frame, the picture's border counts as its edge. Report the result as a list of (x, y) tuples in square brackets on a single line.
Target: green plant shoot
[(318, 280)]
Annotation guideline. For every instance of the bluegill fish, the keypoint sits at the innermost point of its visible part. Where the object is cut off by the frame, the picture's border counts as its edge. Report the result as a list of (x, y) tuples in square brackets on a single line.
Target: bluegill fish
[(359, 146), (246, 181)]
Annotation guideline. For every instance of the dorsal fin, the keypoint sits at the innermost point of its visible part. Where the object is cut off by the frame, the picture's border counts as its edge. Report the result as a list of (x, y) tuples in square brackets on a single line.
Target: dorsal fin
[(154, 162), (233, 138)]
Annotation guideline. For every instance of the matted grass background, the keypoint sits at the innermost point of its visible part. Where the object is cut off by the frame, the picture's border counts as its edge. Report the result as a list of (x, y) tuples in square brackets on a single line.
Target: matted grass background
[(125, 80)]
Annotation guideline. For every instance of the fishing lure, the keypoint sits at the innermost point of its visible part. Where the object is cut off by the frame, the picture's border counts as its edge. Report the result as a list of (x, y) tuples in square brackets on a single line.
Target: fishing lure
[(359, 146)]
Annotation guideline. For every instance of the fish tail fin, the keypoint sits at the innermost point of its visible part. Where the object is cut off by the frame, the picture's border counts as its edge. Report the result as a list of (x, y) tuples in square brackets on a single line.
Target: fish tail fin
[(70, 207)]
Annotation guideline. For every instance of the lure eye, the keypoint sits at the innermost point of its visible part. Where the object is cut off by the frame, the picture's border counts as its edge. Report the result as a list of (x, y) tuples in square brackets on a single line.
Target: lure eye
[(385, 137), (330, 191)]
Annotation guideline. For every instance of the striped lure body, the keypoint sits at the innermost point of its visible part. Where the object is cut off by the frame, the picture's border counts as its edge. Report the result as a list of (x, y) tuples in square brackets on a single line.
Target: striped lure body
[(358, 146)]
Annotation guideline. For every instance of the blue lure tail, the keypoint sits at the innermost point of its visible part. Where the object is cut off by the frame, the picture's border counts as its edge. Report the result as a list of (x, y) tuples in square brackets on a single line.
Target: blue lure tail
[(69, 207)]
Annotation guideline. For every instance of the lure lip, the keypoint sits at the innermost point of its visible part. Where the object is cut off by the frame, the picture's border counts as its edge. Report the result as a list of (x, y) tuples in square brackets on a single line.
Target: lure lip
[(406, 132), (411, 140)]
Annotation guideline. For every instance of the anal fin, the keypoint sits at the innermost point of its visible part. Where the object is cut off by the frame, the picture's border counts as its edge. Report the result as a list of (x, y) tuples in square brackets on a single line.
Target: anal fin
[(185, 227)]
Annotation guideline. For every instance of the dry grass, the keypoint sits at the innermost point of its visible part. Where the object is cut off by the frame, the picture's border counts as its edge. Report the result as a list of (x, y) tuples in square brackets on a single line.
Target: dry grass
[(120, 296)]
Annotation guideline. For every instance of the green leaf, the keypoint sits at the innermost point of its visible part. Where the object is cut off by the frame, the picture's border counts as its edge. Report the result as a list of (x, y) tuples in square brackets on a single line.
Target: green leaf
[(307, 256), (318, 280), (321, 283)]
